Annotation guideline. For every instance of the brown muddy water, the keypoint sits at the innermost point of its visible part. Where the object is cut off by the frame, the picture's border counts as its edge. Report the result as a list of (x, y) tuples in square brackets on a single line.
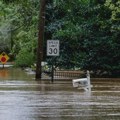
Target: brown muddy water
[(23, 98)]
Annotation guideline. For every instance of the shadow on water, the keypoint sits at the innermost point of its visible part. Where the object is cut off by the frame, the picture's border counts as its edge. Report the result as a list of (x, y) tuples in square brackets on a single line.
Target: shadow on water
[(4, 73), (23, 98), (13, 73)]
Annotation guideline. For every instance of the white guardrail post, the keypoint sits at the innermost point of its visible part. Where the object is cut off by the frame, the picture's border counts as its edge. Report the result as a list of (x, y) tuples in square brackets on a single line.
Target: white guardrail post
[(88, 78)]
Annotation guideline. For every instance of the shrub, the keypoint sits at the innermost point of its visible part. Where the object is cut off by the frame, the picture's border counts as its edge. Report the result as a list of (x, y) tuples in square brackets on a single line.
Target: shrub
[(24, 58)]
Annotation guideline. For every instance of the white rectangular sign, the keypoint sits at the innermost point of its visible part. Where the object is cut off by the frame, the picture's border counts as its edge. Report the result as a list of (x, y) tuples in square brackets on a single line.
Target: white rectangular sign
[(53, 47)]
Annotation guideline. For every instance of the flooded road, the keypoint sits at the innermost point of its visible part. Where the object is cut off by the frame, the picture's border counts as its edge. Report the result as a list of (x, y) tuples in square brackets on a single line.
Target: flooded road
[(23, 98)]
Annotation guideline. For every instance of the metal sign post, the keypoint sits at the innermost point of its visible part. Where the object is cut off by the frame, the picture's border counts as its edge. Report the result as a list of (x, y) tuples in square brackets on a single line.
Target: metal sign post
[(4, 58), (53, 50)]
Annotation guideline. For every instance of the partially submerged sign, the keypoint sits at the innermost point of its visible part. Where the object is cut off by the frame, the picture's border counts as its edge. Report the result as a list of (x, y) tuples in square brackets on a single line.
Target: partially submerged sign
[(4, 58), (53, 47)]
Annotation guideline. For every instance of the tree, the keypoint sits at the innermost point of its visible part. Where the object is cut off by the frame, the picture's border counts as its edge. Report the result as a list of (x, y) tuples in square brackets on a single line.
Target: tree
[(88, 33), (21, 18)]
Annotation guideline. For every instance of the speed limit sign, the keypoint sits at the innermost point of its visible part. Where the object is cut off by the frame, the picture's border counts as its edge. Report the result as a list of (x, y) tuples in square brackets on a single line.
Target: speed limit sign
[(53, 47)]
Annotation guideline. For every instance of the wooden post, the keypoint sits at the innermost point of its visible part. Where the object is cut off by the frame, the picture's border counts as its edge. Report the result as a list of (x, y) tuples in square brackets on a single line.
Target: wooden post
[(40, 39)]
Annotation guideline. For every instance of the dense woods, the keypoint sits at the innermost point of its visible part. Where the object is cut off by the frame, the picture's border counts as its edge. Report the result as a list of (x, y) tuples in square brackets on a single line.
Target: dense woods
[(88, 31)]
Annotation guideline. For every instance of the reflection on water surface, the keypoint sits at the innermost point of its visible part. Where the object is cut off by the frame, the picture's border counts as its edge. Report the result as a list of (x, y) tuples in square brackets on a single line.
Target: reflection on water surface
[(23, 98)]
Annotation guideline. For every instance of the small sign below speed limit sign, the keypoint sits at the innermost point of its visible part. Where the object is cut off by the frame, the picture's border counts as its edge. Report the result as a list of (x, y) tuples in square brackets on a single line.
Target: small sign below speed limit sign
[(53, 47)]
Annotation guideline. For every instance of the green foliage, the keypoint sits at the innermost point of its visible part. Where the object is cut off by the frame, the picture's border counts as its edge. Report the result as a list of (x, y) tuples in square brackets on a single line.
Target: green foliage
[(89, 35), (18, 26), (101, 45), (5, 27), (66, 29), (88, 31), (114, 5), (24, 58)]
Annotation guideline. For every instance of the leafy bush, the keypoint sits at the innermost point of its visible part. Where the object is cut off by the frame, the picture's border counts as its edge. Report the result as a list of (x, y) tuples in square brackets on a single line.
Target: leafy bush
[(24, 58)]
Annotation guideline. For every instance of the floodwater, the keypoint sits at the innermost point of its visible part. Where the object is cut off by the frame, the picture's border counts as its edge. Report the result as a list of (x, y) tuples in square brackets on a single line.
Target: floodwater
[(23, 98)]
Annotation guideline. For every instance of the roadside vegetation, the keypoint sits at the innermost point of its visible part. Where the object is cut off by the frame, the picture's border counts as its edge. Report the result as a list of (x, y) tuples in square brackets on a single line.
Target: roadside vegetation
[(88, 31)]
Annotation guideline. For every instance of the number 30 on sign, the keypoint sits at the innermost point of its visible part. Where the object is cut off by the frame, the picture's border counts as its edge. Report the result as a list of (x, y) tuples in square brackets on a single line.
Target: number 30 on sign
[(53, 47)]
